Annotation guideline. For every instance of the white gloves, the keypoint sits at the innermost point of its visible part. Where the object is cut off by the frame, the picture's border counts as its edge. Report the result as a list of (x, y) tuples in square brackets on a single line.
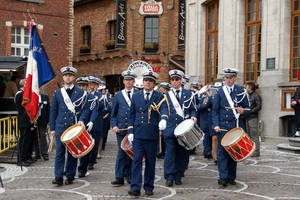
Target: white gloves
[(89, 126), (130, 138), (162, 125)]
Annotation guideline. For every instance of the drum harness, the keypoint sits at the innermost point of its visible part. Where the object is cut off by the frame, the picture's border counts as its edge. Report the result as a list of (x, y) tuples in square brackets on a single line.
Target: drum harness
[(71, 106), (228, 97)]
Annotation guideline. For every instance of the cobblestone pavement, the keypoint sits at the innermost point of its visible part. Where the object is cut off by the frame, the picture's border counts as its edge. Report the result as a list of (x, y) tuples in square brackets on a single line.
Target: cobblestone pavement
[(273, 175)]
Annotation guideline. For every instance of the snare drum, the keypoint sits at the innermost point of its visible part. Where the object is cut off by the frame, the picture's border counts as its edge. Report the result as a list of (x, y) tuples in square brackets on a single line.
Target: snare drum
[(127, 147), (77, 140), (238, 144), (188, 134)]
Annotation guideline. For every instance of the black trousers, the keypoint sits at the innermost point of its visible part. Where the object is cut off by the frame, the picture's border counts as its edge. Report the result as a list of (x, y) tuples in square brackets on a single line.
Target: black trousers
[(23, 145)]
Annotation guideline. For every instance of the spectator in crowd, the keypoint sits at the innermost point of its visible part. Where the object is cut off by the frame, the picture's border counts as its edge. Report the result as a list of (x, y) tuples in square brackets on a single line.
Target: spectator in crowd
[(2, 86), (12, 86), (252, 118)]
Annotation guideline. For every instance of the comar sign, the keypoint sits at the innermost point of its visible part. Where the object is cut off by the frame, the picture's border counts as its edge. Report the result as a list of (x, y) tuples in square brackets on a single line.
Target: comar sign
[(151, 7)]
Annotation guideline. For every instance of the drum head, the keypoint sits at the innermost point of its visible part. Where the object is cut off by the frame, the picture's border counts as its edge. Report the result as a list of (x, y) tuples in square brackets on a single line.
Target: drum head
[(184, 127), (71, 133), (232, 136)]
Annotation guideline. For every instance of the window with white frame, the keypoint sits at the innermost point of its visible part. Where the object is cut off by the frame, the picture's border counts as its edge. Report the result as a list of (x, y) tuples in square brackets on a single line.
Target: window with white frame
[(19, 41)]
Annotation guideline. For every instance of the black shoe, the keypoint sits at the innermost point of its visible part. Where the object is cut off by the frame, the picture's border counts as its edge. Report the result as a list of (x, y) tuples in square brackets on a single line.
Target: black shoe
[(208, 156), (231, 182), (149, 192), (182, 175), (216, 161), (159, 156), (223, 182), (81, 175), (37, 157), (46, 158), (193, 153), (24, 163), (128, 180), (90, 168), (68, 181), (30, 160), (57, 181), (178, 182), (134, 193), (169, 183), (118, 182)]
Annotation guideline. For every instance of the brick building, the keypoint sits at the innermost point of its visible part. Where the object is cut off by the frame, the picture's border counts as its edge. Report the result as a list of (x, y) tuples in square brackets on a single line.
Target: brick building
[(131, 26), (54, 25)]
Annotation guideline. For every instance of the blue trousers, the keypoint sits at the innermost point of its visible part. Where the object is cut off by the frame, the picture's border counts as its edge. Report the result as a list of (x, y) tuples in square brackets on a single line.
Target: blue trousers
[(148, 148), (176, 160), (226, 165), (123, 161), (61, 165)]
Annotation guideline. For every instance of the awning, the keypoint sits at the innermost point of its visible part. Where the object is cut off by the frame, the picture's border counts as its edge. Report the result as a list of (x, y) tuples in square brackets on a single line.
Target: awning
[(12, 62), (178, 63)]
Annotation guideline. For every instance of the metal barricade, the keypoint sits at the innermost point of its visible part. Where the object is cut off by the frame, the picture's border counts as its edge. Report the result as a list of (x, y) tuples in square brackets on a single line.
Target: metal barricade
[(9, 133)]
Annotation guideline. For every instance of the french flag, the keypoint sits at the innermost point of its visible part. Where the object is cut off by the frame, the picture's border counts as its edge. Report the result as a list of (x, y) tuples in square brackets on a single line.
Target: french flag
[(38, 73)]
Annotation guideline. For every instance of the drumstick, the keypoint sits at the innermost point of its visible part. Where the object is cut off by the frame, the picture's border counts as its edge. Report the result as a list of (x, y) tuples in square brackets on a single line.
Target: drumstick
[(223, 130), (160, 147), (237, 108), (123, 129), (51, 144)]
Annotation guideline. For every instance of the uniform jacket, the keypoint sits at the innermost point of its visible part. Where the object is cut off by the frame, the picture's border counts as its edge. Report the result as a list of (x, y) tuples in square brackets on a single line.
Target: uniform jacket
[(224, 117), (98, 122), (61, 117), (204, 111), (145, 126), (23, 118), (175, 119), (44, 118), (119, 112)]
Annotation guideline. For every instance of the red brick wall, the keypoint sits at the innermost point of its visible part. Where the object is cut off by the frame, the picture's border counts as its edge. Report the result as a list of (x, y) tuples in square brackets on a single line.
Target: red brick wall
[(101, 62), (54, 16)]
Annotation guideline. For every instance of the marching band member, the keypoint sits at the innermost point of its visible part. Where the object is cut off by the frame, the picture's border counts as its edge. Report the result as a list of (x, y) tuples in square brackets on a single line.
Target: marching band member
[(177, 157), (194, 87), (148, 114), (106, 118), (82, 82), (224, 119), (97, 127), (164, 87), (69, 106), (118, 119), (204, 107)]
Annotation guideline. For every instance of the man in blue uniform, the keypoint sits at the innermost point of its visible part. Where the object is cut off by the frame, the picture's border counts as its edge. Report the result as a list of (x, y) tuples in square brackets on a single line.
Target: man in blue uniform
[(82, 82), (224, 119), (94, 83), (118, 120), (295, 103), (148, 114), (69, 106), (181, 108)]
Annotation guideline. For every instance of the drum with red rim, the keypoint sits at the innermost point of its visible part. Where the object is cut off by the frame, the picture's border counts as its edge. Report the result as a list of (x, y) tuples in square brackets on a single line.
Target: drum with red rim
[(127, 147), (77, 140), (238, 144)]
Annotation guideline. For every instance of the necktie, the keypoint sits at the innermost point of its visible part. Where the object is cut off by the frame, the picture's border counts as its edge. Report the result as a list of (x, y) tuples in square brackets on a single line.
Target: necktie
[(147, 96), (177, 94), (69, 91), (230, 90), (128, 94)]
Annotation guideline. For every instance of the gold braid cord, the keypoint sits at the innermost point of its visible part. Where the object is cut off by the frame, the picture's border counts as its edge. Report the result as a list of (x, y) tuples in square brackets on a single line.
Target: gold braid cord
[(155, 107)]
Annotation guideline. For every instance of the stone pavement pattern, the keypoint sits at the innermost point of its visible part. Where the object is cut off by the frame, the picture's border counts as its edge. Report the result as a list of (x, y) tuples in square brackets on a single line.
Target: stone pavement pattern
[(273, 175)]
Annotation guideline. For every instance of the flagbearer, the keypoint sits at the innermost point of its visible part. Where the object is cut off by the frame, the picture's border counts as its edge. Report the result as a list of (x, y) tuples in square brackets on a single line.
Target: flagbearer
[(69, 106)]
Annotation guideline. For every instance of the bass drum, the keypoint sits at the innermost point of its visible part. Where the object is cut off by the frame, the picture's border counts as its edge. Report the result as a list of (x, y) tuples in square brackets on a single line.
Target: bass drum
[(139, 67)]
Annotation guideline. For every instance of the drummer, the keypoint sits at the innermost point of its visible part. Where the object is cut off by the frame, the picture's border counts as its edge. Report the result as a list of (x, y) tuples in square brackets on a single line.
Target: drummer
[(224, 119), (64, 112), (118, 119), (176, 160)]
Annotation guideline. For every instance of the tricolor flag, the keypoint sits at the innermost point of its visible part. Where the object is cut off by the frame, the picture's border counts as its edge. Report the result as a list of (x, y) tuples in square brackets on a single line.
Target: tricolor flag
[(38, 73)]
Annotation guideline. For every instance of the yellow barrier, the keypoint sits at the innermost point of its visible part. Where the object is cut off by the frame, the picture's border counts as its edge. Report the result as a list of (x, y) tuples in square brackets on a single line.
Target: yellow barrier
[(9, 133)]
